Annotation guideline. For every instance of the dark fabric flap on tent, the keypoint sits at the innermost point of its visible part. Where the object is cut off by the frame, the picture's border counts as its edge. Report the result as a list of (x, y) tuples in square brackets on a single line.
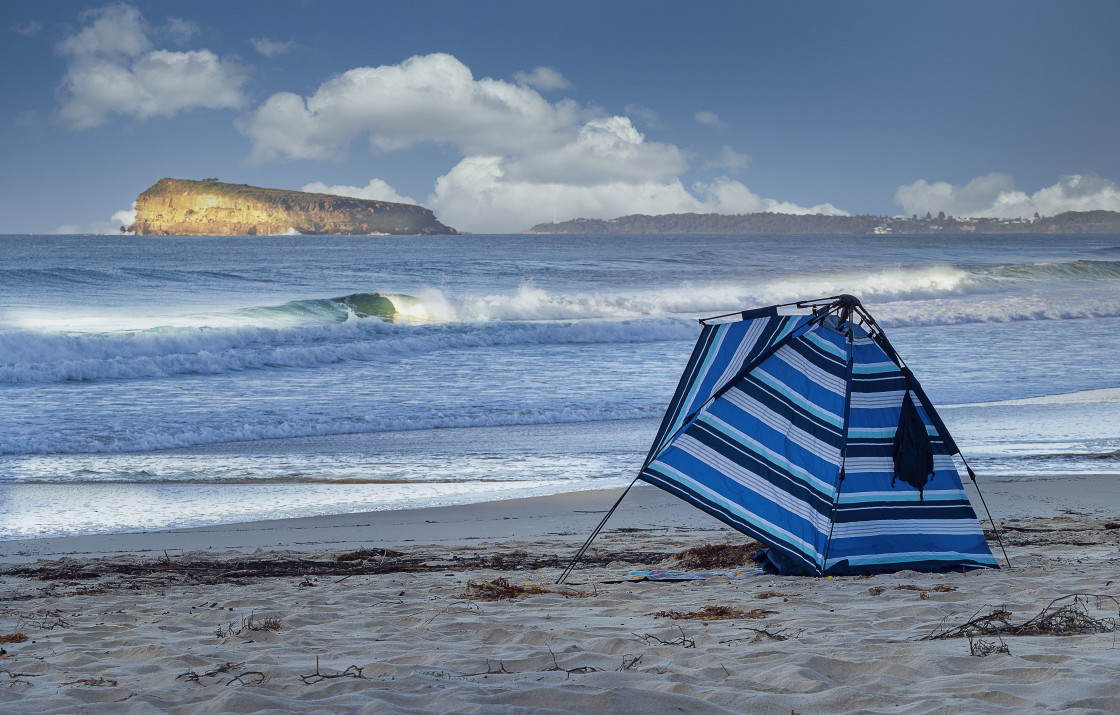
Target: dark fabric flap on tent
[(913, 453)]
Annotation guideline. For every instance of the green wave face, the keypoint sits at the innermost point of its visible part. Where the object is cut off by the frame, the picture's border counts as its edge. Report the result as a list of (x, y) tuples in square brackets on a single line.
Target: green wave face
[(331, 310), (370, 305)]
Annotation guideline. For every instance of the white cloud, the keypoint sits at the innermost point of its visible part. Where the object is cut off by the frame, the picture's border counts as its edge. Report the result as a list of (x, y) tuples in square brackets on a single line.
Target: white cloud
[(430, 98), (113, 69), (543, 78), (123, 218), (111, 30), (710, 119), (271, 48), (31, 28), (728, 159), (525, 159), (375, 190), (478, 196), (995, 196), (603, 150)]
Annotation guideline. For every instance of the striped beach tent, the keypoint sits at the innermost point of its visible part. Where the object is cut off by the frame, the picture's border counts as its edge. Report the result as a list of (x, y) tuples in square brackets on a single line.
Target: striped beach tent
[(800, 426)]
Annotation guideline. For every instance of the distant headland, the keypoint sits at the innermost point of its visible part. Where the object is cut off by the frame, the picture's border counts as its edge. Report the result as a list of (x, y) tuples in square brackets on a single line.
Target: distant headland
[(774, 223), (181, 207)]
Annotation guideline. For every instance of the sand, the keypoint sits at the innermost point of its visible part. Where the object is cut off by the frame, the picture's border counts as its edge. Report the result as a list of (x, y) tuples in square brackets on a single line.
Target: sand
[(183, 621)]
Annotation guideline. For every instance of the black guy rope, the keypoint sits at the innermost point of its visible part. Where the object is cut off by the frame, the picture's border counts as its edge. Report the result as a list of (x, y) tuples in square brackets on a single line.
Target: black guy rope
[(972, 476), (582, 549)]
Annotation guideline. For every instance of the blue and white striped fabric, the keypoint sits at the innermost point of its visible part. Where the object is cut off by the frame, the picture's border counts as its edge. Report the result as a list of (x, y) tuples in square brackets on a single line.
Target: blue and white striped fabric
[(796, 450), (720, 354)]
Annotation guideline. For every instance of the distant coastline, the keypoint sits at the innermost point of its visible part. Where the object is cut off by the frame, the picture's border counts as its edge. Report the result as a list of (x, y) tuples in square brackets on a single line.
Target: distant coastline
[(864, 224)]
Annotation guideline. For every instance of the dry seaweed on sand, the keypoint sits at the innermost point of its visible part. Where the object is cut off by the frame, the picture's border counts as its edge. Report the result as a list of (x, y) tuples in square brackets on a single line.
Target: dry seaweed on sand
[(350, 563), (500, 589), (364, 554), (711, 556), (938, 587), (981, 647), (715, 613), (1064, 616), (775, 594)]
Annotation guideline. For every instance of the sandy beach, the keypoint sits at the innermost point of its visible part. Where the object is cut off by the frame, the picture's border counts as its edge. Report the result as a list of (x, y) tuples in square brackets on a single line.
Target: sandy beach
[(374, 613)]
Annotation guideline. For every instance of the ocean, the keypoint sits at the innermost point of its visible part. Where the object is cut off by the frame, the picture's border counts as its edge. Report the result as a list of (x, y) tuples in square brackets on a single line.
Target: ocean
[(164, 382)]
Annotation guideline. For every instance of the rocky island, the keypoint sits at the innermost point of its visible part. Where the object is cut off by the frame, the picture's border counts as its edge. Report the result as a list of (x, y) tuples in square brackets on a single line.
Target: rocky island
[(181, 207)]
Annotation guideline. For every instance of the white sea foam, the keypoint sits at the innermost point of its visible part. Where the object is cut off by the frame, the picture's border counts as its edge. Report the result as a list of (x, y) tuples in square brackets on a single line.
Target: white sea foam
[(310, 333), (182, 432)]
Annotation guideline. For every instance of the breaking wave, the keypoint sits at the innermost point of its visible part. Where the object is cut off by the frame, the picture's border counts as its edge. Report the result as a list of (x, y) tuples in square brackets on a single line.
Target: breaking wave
[(383, 327)]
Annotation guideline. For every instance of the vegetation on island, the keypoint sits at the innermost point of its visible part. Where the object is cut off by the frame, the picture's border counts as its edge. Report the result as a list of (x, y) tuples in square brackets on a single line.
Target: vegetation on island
[(775, 223)]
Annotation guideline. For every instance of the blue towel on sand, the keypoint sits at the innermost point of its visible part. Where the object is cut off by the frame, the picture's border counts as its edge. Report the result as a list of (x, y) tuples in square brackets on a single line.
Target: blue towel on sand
[(690, 575)]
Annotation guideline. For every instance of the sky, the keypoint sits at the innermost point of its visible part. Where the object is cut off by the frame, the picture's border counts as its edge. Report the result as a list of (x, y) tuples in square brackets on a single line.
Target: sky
[(503, 114)]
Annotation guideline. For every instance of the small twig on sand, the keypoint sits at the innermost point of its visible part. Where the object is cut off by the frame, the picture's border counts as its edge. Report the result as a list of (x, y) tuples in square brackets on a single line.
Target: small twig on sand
[(489, 670), (352, 672), (682, 641), (17, 678), (570, 671), (629, 661), (99, 682), (260, 678), (760, 633)]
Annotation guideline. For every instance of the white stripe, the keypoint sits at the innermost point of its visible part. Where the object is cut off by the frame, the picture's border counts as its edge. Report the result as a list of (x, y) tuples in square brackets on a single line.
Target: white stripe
[(786, 393), (827, 345), (824, 488), (877, 400), (885, 465), (809, 550), (825, 379), (753, 482), (906, 526), (754, 332), (782, 426)]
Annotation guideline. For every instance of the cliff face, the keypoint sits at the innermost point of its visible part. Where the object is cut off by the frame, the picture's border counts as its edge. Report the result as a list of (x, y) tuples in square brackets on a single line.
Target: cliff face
[(180, 207)]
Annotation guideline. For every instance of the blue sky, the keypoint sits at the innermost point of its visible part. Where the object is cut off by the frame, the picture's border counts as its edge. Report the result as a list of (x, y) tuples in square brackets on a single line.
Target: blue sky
[(500, 115)]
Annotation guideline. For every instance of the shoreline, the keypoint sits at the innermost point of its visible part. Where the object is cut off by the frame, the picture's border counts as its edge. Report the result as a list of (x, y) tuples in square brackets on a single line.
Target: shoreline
[(568, 516)]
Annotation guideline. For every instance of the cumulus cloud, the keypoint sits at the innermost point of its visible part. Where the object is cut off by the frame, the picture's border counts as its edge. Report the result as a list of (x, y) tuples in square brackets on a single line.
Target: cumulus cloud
[(543, 78), (710, 119), (525, 159), (271, 48), (114, 69), (477, 195), (728, 159), (430, 98), (375, 190), (995, 196)]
